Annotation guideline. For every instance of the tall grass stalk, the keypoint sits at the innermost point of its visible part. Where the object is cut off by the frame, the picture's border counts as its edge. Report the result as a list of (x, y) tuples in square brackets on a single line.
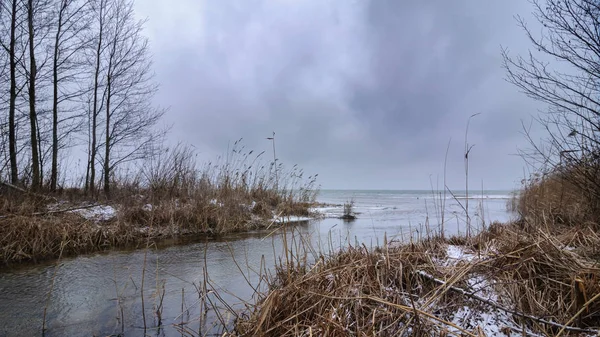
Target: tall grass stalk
[(120, 313), (467, 151), (443, 201)]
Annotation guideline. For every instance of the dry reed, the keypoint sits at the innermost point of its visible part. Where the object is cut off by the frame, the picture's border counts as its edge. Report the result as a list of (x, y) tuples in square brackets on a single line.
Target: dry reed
[(525, 282), (353, 292), (170, 198)]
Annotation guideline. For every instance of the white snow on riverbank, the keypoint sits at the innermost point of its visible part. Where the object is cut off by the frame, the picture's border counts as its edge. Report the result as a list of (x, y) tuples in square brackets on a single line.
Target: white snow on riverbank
[(458, 253), (97, 213), (290, 219), (475, 314)]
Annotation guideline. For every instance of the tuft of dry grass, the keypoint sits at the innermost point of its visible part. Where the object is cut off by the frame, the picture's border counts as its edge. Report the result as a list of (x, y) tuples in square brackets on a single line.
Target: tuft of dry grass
[(13, 202)]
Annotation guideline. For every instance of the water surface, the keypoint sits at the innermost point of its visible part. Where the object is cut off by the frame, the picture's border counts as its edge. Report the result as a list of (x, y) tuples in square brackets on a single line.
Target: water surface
[(101, 294)]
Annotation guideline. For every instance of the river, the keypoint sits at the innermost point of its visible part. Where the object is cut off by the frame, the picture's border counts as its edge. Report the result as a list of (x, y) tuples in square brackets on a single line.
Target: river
[(101, 294)]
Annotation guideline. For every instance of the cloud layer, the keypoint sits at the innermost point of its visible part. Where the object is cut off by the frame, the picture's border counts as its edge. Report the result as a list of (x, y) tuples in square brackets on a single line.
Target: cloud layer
[(366, 93)]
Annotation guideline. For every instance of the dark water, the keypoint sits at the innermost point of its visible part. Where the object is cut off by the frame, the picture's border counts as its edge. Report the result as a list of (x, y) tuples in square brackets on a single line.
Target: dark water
[(101, 294)]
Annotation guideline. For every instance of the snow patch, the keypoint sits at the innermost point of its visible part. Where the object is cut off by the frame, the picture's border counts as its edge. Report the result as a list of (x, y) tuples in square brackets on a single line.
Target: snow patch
[(459, 253), (293, 218), (57, 206), (248, 207), (216, 202), (479, 315), (97, 213), (491, 322)]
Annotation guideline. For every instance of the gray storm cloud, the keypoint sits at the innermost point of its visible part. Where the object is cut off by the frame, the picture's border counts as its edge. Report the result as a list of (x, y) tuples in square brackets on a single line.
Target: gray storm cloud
[(365, 93)]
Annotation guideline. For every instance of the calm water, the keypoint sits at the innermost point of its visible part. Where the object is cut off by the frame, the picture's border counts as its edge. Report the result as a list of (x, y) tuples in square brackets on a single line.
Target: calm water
[(100, 294), (397, 213)]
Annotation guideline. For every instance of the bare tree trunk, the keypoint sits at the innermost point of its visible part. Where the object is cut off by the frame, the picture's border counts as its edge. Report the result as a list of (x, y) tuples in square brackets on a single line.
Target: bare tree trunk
[(12, 139), (35, 161), (40, 154), (89, 154), (108, 142), (93, 147), (54, 169)]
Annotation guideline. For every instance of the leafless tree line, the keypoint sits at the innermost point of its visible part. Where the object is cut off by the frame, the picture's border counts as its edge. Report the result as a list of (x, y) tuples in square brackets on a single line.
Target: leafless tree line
[(563, 71), (74, 73)]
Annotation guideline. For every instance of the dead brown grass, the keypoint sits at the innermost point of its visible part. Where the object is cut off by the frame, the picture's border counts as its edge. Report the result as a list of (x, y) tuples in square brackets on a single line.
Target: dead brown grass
[(355, 292), (26, 238), (552, 272), (168, 199), (17, 202), (559, 198), (546, 282), (235, 195), (34, 233)]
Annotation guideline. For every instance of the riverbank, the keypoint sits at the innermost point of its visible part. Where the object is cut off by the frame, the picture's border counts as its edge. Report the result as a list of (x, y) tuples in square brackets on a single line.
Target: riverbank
[(510, 279), (169, 196), (34, 228), (535, 276)]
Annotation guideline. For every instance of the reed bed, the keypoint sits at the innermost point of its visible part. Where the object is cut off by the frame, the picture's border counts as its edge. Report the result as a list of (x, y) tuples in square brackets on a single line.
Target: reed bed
[(509, 280), (561, 197), (40, 236), (551, 273), (169, 198), (26, 238), (354, 292)]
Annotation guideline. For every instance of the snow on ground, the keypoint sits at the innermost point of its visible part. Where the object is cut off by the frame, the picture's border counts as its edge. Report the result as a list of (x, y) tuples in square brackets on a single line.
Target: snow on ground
[(57, 206), (97, 213), (459, 254), (491, 320), (216, 202), (293, 218)]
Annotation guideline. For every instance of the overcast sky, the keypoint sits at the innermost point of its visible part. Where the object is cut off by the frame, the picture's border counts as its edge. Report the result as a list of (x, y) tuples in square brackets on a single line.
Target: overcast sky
[(365, 93)]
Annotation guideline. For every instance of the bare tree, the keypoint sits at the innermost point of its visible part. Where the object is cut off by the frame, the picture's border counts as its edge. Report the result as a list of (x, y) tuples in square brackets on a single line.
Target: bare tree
[(35, 161), (12, 12), (130, 117), (39, 18), (571, 40), (55, 53), (99, 9), (69, 41), (4, 80)]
